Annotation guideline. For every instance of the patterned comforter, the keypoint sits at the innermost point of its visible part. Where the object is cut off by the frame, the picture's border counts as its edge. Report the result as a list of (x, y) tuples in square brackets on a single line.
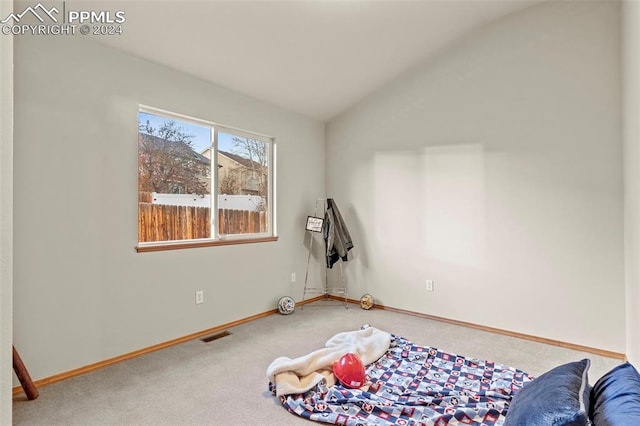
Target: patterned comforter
[(416, 385)]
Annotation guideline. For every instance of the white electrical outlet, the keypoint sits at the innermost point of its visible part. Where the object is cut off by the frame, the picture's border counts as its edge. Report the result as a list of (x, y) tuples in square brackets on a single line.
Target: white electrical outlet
[(199, 297), (429, 285), (293, 277)]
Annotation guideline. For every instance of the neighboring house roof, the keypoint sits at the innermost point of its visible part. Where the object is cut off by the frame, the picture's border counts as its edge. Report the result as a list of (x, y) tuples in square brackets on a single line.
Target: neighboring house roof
[(241, 160), (181, 148)]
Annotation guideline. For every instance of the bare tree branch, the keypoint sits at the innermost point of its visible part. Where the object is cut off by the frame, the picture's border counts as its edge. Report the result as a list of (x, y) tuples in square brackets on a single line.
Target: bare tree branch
[(167, 162)]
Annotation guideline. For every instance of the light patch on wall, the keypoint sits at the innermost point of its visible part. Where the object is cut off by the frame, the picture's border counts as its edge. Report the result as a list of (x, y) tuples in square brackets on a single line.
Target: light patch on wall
[(398, 222), (398, 202), (453, 190)]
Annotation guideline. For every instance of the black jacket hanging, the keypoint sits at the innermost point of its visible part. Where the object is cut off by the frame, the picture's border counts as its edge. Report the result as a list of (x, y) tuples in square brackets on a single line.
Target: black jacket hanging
[(336, 235)]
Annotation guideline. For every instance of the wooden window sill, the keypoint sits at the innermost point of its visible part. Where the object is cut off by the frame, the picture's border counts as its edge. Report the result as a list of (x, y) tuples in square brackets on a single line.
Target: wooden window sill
[(197, 244)]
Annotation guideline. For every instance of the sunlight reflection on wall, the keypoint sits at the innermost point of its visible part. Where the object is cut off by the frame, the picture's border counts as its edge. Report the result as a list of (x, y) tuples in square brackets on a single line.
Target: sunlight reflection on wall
[(432, 202), (454, 195)]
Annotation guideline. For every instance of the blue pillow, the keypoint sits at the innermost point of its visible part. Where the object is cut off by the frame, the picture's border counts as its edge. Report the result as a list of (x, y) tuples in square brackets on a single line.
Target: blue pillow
[(558, 397), (615, 397)]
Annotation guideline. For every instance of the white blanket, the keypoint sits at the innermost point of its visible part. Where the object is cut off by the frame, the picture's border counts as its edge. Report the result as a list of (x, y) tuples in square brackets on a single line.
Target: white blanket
[(292, 376)]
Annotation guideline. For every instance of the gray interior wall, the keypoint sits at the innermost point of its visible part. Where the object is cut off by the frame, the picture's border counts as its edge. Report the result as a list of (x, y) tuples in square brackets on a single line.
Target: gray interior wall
[(495, 169), (631, 73), (82, 294), (6, 219)]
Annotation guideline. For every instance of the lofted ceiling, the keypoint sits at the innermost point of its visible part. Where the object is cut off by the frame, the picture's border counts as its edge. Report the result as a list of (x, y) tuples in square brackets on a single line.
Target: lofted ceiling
[(316, 57)]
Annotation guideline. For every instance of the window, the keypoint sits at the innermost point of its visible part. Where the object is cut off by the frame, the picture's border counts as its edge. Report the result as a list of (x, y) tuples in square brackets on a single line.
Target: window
[(188, 168)]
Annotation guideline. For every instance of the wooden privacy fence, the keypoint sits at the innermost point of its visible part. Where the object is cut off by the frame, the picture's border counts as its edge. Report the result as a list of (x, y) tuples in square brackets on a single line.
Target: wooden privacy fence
[(159, 222), (241, 222)]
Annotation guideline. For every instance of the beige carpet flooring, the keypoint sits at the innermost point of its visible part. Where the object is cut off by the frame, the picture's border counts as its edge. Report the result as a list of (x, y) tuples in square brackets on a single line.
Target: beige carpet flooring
[(223, 382)]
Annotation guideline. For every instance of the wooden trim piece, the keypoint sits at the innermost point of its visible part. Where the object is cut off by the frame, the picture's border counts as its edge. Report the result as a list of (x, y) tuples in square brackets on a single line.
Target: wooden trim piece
[(23, 376), (98, 365), (313, 299), (198, 244), (576, 347)]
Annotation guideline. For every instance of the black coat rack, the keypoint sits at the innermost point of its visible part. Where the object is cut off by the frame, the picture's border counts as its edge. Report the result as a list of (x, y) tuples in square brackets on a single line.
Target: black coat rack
[(316, 224)]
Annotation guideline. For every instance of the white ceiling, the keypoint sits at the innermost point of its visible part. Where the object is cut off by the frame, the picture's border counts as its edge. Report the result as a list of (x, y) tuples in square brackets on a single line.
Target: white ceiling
[(316, 57)]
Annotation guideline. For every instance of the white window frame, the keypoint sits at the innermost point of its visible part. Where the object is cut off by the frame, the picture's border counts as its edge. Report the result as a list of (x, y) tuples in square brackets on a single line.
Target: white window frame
[(216, 238)]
